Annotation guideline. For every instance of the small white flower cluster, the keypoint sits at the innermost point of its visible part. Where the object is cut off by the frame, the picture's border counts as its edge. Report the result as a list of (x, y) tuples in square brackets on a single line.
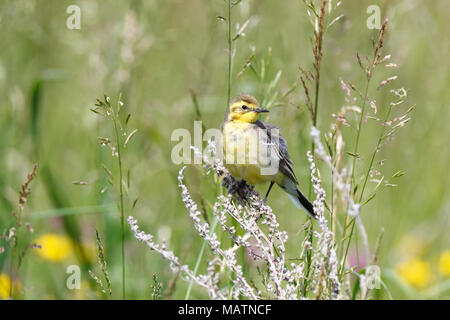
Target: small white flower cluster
[(341, 183), (227, 257), (208, 281), (259, 235), (340, 178), (325, 262), (269, 247)]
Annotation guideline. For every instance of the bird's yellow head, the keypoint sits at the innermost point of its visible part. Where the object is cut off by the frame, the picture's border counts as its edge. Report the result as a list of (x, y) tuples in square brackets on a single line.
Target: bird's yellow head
[(244, 108)]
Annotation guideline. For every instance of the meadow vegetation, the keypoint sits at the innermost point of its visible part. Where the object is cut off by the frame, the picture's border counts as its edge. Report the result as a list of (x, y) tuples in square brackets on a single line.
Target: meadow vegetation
[(86, 121)]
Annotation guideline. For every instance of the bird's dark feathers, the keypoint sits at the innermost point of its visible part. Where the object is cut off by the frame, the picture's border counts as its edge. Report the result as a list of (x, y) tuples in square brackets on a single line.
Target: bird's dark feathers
[(285, 165)]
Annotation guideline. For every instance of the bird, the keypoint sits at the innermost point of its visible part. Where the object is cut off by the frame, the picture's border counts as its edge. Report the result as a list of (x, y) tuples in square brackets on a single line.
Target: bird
[(242, 134)]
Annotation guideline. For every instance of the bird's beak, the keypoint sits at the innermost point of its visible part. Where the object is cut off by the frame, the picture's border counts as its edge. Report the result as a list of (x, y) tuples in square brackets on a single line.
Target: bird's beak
[(259, 110)]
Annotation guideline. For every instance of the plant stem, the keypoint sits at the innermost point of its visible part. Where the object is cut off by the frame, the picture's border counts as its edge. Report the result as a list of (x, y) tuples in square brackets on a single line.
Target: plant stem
[(122, 213), (199, 258), (333, 211), (317, 51), (358, 133), (11, 272), (230, 53), (388, 113), (355, 152), (14, 256), (374, 154)]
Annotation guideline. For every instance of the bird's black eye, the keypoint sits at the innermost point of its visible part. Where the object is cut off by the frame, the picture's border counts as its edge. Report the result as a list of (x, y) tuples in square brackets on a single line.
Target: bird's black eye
[(244, 107)]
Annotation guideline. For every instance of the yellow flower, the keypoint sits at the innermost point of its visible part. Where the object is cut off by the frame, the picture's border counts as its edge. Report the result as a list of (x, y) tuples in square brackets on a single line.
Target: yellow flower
[(54, 247), (5, 286), (444, 263), (416, 272)]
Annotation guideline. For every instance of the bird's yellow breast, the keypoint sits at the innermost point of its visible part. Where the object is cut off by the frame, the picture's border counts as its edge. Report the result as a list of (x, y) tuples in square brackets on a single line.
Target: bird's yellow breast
[(242, 146)]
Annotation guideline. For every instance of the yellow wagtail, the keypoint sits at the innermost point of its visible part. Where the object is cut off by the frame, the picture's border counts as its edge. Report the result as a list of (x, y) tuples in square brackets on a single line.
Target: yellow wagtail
[(250, 146)]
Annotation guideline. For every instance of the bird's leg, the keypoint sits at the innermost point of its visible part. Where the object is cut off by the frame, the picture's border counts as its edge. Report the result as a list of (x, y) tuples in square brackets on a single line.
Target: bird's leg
[(237, 191), (241, 191), (265, 199), (241, 183), (268, 191)]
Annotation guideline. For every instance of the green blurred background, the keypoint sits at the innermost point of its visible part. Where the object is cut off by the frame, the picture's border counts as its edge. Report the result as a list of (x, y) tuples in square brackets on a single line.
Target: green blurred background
[(156, 53)]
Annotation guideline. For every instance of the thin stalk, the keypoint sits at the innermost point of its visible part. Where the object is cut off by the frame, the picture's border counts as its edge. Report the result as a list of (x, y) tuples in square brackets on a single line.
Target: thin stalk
[(316, 99), (352, 222), (317, 50), (355, 152), (199, 259), (230, 53), (229, 81), (365, 182), (333, 211), (122, 213), (374, 154), (11, 273), (313, 147), (316, 107), (14, 255), (202, 250)]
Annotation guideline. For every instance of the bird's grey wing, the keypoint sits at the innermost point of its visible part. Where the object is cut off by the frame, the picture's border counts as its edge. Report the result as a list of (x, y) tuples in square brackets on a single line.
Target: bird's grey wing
[(280, 145)]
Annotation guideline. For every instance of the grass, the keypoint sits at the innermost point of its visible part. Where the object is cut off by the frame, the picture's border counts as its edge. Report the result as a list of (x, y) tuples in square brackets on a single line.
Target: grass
[(318, 25), (104, 109), (50, 76)]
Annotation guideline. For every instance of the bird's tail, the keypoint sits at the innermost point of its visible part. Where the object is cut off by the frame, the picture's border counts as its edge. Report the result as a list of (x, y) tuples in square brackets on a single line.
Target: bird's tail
[(297, 197)]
